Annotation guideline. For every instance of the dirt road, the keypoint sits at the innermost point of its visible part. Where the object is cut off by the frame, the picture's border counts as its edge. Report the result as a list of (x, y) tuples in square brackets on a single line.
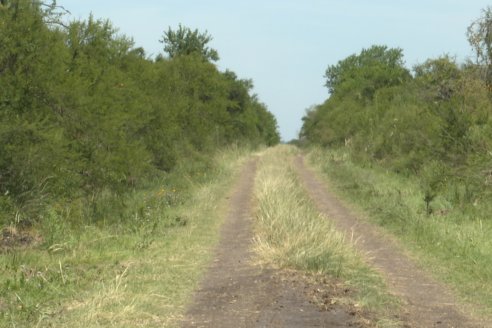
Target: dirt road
[(236, 293), (427, 303)]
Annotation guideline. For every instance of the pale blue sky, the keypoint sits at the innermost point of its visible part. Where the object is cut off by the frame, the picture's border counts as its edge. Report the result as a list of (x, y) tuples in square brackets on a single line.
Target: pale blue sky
[(285, 46)]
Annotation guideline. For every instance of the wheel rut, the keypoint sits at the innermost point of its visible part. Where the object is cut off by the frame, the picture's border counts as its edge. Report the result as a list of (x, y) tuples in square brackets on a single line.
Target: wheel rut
[(427, 303), (237, 293)]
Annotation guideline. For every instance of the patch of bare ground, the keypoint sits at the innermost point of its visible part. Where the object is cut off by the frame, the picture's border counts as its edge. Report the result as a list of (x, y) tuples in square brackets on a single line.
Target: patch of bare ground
[(427, 303), (12, 238), (237, 293)]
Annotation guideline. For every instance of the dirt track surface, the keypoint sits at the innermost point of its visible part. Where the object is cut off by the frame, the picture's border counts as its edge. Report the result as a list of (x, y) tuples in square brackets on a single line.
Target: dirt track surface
[(236, 293), (427, 303)]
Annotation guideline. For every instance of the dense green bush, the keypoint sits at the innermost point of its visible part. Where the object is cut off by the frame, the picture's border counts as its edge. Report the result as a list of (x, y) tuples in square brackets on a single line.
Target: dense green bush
[(435, 123), (84, 114)]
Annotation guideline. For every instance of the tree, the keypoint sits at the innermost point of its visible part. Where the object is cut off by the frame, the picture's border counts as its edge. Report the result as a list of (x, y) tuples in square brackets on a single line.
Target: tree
[(85, 116), (365, 73), (438, 78), (185, 41), (33, 150), (480, 38)]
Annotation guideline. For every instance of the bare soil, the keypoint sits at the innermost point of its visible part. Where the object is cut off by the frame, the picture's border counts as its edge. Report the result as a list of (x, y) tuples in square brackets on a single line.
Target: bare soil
[(237, 293), (427, 303), (12, 239)]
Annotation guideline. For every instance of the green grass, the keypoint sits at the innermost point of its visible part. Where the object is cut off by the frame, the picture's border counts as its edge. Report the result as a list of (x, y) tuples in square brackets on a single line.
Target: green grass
[(137, 274), (291, 233), (454, 243)]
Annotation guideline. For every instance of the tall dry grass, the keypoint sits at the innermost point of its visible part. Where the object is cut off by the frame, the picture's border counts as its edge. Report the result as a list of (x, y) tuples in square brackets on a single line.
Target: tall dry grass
[(136, 274), (291, 233)]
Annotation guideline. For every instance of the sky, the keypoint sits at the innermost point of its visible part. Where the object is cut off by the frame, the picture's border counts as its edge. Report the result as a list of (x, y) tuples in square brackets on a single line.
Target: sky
[(285, 46)]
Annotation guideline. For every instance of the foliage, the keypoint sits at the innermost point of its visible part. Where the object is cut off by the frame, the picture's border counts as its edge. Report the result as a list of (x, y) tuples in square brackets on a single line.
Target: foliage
[(414, 150), (84, 114), (184, 42), (434, 123), (139, 273), (479, 35), (453, 242), (365, 73)]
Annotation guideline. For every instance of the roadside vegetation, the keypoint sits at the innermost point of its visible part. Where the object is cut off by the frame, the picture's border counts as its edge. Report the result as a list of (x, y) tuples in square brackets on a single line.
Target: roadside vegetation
[(451, 243), (86, 117), (292, 234), (112, 165), (137, 274), (413, 149)]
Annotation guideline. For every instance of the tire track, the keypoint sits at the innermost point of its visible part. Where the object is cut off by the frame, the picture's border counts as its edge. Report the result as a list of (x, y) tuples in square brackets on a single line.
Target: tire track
[(427, 303), (236, 293)]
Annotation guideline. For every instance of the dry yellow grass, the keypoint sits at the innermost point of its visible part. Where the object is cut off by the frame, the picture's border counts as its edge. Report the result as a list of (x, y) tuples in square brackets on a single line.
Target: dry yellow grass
[(291, 233), (125, 277)]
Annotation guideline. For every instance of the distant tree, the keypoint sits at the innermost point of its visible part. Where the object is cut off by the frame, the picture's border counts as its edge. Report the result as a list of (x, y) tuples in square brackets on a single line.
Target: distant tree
[(480, 38), (363, 74), (185, 41), (438, 78)]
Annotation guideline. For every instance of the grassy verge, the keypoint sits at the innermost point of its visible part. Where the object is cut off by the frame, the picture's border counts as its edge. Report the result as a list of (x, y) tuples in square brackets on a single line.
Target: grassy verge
[(137, 274), (291, 233), (454, 243)]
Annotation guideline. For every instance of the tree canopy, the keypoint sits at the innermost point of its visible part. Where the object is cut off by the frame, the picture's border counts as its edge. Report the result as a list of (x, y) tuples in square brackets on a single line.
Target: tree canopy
[(185, 41), (83, 112), (365, 73), (435, 122), (479, 35)]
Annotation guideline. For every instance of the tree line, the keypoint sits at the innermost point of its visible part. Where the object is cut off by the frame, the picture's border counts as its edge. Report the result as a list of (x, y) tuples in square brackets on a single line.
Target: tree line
[(83, 111), (434, 121)]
